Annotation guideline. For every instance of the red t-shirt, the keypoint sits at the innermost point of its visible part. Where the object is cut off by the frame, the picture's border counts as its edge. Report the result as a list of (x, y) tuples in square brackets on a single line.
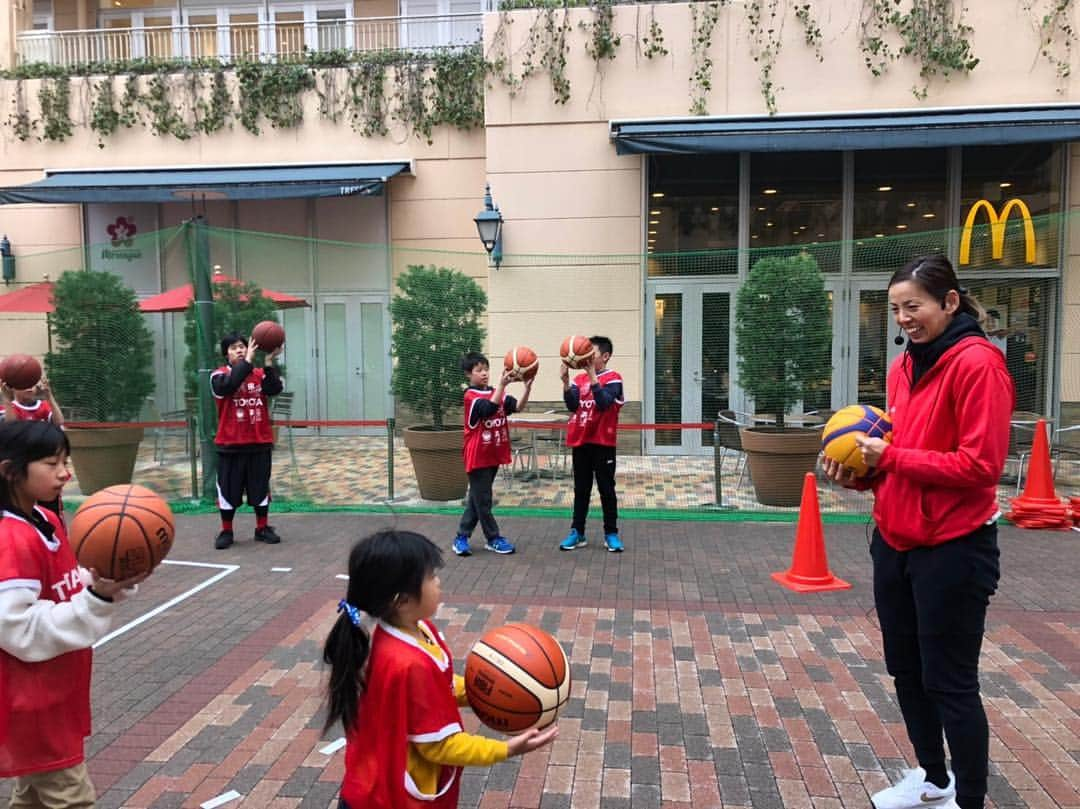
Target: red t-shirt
[(487, 443), (44, 706), (588, 424), (244, 416), (409, 698), (41, 410)]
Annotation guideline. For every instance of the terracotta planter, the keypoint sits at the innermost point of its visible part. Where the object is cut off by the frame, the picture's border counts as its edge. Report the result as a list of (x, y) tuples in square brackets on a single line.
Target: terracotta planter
[(436, 459), (778, 461), (103, 457)]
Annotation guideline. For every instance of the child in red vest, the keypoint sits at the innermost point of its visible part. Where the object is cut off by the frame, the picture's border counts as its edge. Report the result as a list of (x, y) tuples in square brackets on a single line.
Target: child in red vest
[(244, 439), (51, 613), (594, 399), (395, 690), (33, 404), (486, 446)]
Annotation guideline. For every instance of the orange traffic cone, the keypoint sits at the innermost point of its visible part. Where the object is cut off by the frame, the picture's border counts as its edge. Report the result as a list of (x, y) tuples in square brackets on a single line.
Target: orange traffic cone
[(1039, 506), (809, 570)]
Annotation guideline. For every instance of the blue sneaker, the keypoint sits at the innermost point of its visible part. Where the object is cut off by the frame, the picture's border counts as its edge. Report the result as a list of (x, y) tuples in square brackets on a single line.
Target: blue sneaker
[(499, 545), (461, 545), (573, 540), (614, 544)]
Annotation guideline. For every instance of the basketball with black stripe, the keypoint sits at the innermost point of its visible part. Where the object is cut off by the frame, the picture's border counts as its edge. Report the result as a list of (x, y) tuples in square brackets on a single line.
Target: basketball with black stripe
[(122, 531), (840, 434), (517, 677)]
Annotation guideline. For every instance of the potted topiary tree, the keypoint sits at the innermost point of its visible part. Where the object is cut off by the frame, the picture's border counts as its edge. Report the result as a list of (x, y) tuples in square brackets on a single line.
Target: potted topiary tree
[(436, 320), (101, 369), (783, 338)]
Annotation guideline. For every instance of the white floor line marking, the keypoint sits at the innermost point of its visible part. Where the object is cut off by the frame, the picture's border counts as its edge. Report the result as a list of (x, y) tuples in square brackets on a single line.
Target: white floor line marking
[(333, 747), (224, 798), (344, 576), (225, 570), (281, 570)]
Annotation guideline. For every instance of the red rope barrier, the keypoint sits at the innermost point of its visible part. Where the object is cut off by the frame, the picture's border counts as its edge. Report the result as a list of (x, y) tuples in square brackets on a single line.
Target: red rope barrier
[(529, 425)]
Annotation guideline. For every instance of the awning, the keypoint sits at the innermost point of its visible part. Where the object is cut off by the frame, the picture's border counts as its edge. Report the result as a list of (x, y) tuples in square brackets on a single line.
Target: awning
[(170, 185), (836, 132)]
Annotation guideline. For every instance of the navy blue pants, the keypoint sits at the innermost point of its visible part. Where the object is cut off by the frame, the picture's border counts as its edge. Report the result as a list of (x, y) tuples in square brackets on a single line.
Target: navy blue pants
[(931, 604)]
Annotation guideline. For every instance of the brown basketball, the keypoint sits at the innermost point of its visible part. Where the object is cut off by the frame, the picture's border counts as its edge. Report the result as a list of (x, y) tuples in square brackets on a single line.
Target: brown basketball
[(122, 531), (20, 371), (523, 361), (576, 351), (268, 335), (517, 677)]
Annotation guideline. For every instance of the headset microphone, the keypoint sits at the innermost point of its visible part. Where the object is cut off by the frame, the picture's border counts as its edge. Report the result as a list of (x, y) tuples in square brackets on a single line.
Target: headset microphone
[(899, 338)]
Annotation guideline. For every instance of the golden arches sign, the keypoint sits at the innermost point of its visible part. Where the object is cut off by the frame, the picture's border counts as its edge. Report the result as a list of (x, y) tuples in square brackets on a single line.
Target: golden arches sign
[(997, 229)]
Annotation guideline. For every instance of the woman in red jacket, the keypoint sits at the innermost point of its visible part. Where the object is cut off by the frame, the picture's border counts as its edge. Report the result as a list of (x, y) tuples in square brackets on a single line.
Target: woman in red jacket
[(935, 548)]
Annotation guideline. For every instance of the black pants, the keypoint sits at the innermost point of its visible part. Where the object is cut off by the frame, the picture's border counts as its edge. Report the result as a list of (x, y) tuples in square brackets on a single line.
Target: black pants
[(595, 461), (478, 503), (931, 603), (241, 473)]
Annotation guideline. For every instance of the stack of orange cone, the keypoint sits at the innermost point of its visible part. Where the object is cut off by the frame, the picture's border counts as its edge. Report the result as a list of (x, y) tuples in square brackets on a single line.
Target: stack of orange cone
[(809, 570), (1074, 504), (1039, 506)]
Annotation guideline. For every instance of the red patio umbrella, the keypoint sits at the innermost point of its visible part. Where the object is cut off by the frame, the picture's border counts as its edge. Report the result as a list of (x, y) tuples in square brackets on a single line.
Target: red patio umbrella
[(177, 300), (36, 298)]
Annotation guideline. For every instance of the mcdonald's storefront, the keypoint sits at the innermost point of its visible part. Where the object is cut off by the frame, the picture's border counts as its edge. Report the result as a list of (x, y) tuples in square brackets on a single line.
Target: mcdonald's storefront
[(998, 210)]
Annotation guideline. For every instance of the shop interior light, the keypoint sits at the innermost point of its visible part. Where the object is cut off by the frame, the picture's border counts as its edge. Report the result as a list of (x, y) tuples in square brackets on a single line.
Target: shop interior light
[(762, 208), (912, 204), (802, 227), (821, 235), (770, 191), (884, 188), (901, 227), (658, 194), (768, 224), (714, 210), (1004, 185), (928, 216), (879, 235), (754, 236), (654, 221), (654, 213)]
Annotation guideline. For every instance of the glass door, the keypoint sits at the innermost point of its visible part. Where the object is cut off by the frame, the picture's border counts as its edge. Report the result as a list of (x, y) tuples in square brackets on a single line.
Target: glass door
[(689, 375), (354, 367), (871, 335)]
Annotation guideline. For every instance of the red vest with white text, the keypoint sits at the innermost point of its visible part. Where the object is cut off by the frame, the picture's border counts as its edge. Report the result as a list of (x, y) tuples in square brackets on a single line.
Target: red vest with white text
[(243, 417), (44, 706), (589, 425), (488, 443), (39, 411)]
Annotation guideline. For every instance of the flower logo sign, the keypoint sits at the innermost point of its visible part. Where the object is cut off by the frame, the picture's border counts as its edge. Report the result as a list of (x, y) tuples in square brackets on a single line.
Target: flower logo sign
[(122, 232)]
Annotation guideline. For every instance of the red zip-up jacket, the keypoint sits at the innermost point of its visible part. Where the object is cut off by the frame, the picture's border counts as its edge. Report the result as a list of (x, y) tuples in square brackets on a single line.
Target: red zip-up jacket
[(949, 443)]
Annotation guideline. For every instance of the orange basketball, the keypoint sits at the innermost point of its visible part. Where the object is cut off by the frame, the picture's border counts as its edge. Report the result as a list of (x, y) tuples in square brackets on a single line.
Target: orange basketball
[(576, 351), (268, 335), (20, 372), (122, 531), (517, 677), (523, 361)]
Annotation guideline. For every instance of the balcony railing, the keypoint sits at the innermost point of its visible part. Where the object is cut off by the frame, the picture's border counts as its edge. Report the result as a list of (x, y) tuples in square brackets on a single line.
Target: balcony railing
[(267, 41)]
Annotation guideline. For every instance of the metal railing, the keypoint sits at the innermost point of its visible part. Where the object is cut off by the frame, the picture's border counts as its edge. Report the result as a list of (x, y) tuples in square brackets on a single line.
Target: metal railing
[(265, 41)]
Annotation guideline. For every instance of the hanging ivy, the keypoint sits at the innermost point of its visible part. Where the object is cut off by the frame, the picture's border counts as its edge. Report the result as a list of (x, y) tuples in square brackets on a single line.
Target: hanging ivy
[(458, 89), (104, 118), (766, 32), (703, 19), (213, 114), (164, 117), (410, 99), (811, 29), (652, 43), (931, 31), (54, 100), (602, 42), (22, 125), (367, 99), (1053, 23)]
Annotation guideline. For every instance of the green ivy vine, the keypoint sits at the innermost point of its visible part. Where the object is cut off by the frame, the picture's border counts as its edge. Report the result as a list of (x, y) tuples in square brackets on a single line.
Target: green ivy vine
[(931, 31), (20, 122), (54, 100), (1053, 23), (703, 20), (602, 42), (652, 42), (104, 118)]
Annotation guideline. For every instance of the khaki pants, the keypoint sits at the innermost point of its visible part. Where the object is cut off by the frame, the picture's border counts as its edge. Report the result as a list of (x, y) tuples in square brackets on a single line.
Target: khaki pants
[(58, 789)]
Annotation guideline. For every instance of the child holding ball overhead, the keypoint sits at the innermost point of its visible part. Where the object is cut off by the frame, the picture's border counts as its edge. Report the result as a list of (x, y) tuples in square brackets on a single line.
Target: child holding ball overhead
[(244, 439), (394, 689), (51, 613), (935, 549)]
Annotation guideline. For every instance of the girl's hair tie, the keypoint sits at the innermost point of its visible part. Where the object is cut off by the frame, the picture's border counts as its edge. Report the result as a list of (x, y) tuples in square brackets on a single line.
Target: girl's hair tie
[(350, 610)]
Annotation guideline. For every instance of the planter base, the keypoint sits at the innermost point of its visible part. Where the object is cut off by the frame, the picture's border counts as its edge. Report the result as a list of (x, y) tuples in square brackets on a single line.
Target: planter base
[(103, 457), (779, 461), (437, 462)]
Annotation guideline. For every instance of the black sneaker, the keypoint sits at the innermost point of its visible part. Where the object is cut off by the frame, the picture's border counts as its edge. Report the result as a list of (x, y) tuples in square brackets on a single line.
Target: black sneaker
[(224, 540), (267, 535)]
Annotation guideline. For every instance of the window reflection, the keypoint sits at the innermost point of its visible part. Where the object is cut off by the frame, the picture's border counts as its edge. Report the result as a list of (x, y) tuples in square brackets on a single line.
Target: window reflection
[(693, 210), (900, 206), (795, 203)]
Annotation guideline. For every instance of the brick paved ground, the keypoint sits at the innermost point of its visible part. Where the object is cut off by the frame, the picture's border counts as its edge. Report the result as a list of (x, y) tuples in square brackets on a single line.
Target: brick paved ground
[(697, 680)]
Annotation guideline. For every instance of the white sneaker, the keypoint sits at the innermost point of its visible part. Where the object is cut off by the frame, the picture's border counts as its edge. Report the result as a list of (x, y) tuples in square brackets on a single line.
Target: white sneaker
[(913, 791)]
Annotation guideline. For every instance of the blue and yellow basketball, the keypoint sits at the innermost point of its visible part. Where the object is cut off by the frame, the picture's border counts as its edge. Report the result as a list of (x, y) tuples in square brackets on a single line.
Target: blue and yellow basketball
[(838, 436)]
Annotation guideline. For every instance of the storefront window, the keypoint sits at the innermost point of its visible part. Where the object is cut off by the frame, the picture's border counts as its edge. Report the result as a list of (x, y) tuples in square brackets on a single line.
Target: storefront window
[(1017, 181), (693, 214), (900, 207), (795, 205)]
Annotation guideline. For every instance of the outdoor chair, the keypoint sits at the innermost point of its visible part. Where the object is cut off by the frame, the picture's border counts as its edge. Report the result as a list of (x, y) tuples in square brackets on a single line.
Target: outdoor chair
[(729, 439)]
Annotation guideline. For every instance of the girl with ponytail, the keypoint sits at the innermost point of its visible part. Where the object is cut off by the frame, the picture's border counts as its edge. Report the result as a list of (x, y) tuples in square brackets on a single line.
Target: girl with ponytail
[(394, 689), (935, 549)]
